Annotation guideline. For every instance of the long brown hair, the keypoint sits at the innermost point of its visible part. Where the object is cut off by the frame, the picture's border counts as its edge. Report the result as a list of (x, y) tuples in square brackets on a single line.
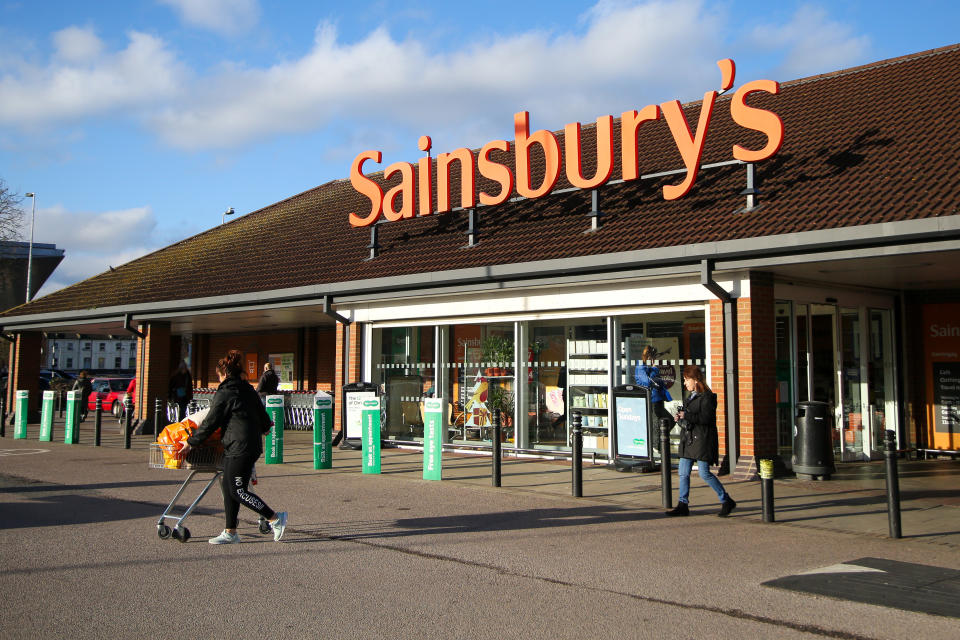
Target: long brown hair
[(695, 373), (231, 364)]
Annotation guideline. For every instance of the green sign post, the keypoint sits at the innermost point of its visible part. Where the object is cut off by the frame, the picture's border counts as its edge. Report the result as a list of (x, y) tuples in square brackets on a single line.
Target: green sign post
[(371, 435), (71, 429), (433, 438), (274, 453), (322, 431), (46, 416), (22, 404)]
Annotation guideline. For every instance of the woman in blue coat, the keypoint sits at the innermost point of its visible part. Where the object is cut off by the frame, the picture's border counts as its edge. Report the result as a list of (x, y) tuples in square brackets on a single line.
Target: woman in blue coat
[(699, 442), (647, 375)]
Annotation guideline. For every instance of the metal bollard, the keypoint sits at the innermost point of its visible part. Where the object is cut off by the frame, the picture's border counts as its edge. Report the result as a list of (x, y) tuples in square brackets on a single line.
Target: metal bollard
[(97, 420), (193, 407), (577, 462), (62, 395), (666, 486), (496, 447), (893, 483), (127, 417), (157, 415), (3, 415), (766, 489)]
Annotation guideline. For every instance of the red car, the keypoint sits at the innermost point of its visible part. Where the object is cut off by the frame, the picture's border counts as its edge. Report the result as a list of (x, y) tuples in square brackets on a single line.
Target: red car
[(111, 392)]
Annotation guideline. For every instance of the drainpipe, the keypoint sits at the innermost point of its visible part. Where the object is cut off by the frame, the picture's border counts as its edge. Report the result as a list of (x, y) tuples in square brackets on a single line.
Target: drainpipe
[(729, 359)]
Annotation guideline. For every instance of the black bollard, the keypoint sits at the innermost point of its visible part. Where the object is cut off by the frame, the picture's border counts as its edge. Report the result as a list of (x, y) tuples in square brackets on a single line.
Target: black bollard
[(127, 417), (577, 462), (3, 415), (766, 489), (893, 483), (666, 476), (496, 447), (97, 420), (157, 415), (62, 397)]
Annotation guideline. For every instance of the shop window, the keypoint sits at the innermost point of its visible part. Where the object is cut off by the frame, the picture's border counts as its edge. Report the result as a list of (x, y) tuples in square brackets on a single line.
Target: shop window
[(133, 363), (69, 363), (103, 346), (403, 364), (86, 363)]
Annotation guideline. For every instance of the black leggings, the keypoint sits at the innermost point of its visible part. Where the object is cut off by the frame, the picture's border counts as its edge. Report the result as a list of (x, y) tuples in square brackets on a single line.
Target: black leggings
[(236, 478)]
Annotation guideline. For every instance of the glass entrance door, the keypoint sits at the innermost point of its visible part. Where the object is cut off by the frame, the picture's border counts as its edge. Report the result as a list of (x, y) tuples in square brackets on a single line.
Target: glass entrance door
[(854, 427), (880, 379)]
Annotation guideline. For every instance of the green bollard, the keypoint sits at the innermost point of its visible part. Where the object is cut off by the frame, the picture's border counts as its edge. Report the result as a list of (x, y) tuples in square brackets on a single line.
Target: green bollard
[(370, 419), (433, 438), (22, 406), (46, 417), (274, 453), (322, 431), (71, 429)]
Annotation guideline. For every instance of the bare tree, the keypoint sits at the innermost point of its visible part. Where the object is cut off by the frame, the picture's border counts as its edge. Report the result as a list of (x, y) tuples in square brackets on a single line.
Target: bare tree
[(10, 213)]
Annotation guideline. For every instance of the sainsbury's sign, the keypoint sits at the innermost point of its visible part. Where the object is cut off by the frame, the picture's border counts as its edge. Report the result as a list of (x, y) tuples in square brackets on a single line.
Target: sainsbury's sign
[(415, 194)]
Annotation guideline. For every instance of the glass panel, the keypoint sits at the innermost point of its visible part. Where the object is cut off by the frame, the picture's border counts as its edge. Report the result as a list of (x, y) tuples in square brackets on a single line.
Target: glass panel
[(482, 380), (782, 353), (547, 386), (852, 415), (658, 345), (803, 349), (880, 377), (823, 368), (403, 366)]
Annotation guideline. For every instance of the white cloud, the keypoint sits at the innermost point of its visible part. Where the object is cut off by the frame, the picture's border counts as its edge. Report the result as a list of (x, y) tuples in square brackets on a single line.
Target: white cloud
[(83, 82), (75, 44), (812, 43), (627, 55), (94, 241), (226, 17)]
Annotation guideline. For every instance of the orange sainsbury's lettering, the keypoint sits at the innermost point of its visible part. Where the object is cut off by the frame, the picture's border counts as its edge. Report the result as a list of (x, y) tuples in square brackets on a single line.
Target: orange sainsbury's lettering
[(367, 187), (574, 163), (551, 152), (630, 122), (518, 173), (495, 171), (467, 192), (405, 188), (766, 122)]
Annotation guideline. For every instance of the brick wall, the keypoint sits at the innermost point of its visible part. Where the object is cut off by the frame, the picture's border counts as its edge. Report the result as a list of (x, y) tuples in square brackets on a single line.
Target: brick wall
[(353, 372), (153, 368), (757, 364), (263, 344)]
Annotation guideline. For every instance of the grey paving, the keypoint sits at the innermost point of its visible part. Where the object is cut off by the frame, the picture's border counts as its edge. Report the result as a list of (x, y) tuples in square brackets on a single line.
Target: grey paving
[(401, 557)]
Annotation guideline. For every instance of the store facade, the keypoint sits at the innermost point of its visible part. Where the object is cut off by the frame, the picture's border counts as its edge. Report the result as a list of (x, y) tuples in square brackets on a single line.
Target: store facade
[(818, 268)]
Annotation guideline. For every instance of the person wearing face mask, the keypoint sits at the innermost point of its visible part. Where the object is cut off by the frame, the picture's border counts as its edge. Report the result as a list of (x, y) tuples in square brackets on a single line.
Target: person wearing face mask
[(699, 442)]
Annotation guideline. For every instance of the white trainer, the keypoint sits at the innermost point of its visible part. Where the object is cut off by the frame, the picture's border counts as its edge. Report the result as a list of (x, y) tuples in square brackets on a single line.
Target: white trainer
[(225, 538), (279, 525)]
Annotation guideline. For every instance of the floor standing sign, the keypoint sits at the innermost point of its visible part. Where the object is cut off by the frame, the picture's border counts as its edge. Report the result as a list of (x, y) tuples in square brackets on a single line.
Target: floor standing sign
[(632, 417), (46, 416), (433, 438), (274, 448), (22, 406), (322, 431), (71, 430), (352, 412), (371, 435)]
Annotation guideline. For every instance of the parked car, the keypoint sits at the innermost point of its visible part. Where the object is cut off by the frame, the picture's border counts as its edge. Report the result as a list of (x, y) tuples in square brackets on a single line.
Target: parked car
[(111, 392)]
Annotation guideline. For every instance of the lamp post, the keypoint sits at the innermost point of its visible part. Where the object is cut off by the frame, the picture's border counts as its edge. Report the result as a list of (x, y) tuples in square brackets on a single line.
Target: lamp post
[(223, 218), (33, 215)]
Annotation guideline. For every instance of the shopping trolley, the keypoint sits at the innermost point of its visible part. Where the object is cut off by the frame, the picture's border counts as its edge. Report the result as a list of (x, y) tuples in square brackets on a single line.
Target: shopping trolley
[(198, 460)]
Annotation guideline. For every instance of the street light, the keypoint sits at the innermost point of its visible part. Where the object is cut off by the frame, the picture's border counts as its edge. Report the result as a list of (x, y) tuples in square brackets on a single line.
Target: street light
[(33, 216), (228, 212)]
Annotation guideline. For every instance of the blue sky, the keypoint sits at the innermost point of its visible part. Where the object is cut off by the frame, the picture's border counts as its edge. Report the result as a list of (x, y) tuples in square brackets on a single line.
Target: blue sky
[(137, 123)]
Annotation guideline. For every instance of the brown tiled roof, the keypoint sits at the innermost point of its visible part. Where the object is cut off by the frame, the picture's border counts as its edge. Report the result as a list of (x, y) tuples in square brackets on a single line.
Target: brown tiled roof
[(878, 143)]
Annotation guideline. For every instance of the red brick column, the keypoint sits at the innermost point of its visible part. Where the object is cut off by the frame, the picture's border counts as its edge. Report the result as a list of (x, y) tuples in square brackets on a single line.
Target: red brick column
[(757, 375), (24, 372), (153, 368)]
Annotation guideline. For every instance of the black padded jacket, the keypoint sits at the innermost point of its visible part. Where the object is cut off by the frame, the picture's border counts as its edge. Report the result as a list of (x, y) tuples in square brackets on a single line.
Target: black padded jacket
[(237, 409)]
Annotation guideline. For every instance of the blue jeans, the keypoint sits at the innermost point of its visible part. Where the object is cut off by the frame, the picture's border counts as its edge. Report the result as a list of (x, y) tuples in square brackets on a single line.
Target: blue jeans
[(683, 470)]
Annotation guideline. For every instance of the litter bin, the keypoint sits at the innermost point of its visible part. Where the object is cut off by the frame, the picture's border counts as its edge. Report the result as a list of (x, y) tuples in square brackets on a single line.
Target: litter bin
[(813, 441)]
